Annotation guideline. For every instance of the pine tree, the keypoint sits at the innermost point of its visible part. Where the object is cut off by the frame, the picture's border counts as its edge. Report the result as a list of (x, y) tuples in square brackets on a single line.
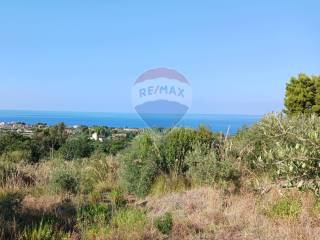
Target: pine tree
[(303, 95)]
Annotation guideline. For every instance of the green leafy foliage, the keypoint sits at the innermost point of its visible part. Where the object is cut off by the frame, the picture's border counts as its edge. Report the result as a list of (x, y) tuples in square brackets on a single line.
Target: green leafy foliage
[(95, 213), (286, 146), (316, 207), (286, 208), (152, 154), (32, 149), (209, 168), (112, 146), (303, 95), (77, 147), (65, 181), (178, 142), (175, 145), (164, 223), (129, 219), (139, 164), (12, 141), (50, 139), (17, 148), (116, 196)]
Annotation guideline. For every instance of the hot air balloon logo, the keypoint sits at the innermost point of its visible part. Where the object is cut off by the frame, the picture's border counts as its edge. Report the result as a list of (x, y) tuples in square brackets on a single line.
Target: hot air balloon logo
[(161, 97)]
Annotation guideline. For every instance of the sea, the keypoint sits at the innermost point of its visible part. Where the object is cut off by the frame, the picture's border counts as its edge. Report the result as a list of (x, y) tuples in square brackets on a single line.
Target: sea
[(216, 122)]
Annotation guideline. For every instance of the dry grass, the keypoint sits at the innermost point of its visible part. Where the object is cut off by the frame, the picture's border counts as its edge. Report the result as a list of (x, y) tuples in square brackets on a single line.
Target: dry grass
[(207, 213), (198, 213), (41, 203)]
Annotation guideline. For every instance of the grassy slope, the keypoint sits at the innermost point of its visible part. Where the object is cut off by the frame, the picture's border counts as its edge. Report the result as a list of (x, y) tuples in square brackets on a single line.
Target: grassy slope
[(35, 205)]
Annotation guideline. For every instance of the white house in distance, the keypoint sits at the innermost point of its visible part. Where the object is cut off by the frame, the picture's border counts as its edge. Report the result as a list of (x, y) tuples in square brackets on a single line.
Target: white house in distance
[(96, 137)]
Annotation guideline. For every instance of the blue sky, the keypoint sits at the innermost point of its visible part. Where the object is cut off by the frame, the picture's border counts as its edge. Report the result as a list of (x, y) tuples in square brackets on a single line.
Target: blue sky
[(85, 55)]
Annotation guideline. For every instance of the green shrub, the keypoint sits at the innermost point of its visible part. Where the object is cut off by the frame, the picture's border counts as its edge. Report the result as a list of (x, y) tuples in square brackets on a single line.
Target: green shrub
[(302, 95), (139, 164), (10, 142), (164, 223), (128, 224), (16, 156), (286, 146), (65, 181), (129, 219), (178, 143), (76, 147), (175, 145), (116, 196), (205, 167), (316, 208), (16, 147), (114, 146), (207, 139), (151, 154), (95, 213), (95, 231), (286, 208)]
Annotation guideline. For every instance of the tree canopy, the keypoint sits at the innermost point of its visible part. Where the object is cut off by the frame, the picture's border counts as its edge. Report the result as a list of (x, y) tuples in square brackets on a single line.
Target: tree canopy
[(303, 95)]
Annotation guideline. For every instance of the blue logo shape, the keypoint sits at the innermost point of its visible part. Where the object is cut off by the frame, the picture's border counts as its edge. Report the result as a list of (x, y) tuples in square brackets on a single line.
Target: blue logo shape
[(161, 97)]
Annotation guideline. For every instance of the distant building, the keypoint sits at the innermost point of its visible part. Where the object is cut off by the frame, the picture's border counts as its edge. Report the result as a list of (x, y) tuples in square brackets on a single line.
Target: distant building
[(69, 131), (134, 130), (96, 137), (119, 135)]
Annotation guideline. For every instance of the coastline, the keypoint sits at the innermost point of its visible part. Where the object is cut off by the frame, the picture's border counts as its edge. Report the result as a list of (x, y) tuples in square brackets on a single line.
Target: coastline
[(216, 122)]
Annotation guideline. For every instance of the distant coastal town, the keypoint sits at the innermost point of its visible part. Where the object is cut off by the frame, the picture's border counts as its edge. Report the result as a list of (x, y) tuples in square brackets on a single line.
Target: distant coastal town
[(97, 133)]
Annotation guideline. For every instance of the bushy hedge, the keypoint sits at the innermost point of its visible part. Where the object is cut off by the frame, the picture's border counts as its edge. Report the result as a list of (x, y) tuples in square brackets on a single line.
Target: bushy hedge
[(152, 154), (303, 95), (211, 167), (287, 146), (65, 180), (139, 164), (17, 148), (178, 142), (164, 223), (77, 147)]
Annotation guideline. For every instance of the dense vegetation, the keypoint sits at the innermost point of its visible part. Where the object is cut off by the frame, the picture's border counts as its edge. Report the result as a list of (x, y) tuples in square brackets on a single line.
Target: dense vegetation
[(51, 142), (303, 95), (180, 183)]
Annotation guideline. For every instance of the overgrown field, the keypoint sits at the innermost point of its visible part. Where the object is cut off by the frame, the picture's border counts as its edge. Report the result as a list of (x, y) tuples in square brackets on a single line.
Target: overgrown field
[(262, 183)]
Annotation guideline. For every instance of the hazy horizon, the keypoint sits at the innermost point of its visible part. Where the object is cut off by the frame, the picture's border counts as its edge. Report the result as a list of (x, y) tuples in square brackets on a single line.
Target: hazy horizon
[(132, 112)]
